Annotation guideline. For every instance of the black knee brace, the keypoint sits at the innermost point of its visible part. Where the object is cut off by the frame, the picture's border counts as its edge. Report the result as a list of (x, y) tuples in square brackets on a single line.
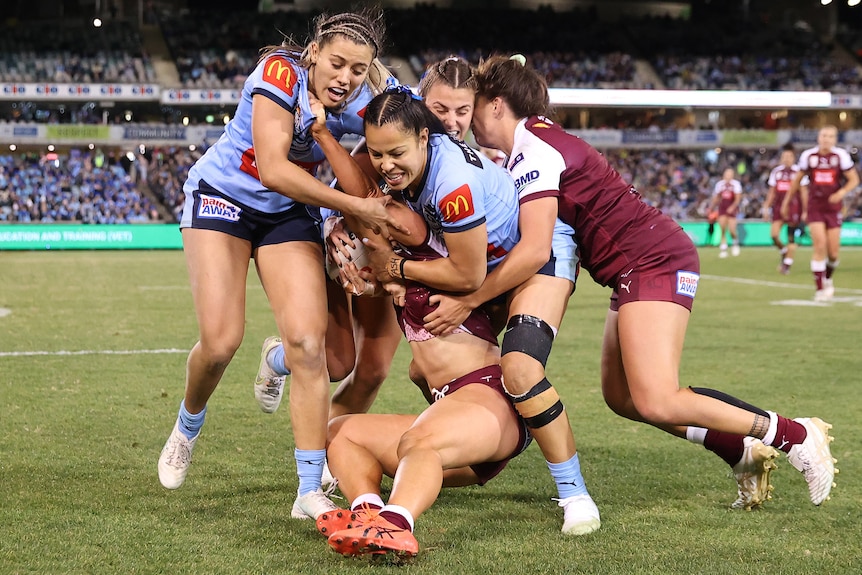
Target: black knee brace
[(530, 335)]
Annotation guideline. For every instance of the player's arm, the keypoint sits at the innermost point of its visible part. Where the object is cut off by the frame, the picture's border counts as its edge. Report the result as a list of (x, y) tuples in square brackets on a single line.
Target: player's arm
[(536, 223), (462, 271), (851, 181), (791, 192), (353, 179), (713, 202), (272, 134), (737, 198), (767, 203)]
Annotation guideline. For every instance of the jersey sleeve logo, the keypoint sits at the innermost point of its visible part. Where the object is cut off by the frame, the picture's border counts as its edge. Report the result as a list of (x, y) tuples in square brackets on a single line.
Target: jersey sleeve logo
[(279, 72), (457, 205), (361, 113)]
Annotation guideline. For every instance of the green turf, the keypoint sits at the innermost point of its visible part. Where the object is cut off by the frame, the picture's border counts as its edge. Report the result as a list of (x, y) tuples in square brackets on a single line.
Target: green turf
[(80, 436)]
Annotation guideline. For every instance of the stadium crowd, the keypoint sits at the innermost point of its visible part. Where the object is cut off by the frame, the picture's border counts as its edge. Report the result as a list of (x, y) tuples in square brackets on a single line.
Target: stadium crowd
[(73, 52), (75, 188), (574, 48), (83, 186)]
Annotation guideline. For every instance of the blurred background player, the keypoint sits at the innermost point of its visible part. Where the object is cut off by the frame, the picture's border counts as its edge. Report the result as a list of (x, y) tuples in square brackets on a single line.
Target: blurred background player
[(832, 175), (726, 197), (779, 182)]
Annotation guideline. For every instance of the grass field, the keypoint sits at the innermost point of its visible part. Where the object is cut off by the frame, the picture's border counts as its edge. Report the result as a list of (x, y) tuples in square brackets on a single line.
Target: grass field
[(80, 433)]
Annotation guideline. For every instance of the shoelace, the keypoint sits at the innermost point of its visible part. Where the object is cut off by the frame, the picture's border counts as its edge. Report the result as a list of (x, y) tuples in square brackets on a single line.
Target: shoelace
[(273, 385), (178, 455)]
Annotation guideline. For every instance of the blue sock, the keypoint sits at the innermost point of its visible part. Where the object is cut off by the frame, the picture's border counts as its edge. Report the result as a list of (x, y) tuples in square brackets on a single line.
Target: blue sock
[(568, 478), (309, 468), (276, 360), (191, 423)]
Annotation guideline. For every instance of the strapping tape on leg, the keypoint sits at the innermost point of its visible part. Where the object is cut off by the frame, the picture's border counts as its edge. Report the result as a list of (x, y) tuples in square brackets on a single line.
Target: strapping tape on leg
[(539, 406)]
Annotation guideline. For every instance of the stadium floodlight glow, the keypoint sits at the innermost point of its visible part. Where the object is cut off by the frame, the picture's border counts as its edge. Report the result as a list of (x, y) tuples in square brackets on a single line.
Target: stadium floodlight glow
[(12, 147), (689, 98), (826, 2), (97, 22), (853, 2)]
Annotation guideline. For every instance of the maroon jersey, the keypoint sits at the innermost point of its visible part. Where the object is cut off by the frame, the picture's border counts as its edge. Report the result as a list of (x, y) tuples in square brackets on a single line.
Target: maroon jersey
[(727, 191), (613, 226), (780, 178), (826, 175), (416, 302)]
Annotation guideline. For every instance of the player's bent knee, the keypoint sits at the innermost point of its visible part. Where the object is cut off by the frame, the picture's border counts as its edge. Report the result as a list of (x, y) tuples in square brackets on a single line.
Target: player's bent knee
[(529, 335), (539, 406), (416, 439)]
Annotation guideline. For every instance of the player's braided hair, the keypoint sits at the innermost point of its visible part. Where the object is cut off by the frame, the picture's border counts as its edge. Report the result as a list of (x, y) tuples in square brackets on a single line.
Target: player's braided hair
[(364, 27), (453, 71), (523, 89), (397, 105)]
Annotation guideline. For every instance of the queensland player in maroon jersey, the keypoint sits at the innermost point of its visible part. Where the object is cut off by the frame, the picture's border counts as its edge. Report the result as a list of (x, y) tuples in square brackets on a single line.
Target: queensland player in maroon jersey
[(725, 200), (652, 267), (779, 182), (832, 175)]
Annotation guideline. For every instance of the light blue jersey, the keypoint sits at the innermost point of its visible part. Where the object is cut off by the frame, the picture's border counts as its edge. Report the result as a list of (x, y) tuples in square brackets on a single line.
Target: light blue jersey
[(462, 189), (229, 166)]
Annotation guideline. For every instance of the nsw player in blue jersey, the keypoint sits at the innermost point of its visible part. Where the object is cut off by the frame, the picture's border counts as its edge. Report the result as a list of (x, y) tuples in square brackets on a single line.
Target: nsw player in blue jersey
[(466, 436), (253, 195), (536, 283)]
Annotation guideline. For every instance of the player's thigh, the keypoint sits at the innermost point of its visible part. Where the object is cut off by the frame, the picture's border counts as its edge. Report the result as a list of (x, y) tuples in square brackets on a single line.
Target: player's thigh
[(340, 345), (614, 385), (472, 425), (377, 434), (218, 267), (542, 296), (376, 330), (651, 337), (293, 279), (546, 298)]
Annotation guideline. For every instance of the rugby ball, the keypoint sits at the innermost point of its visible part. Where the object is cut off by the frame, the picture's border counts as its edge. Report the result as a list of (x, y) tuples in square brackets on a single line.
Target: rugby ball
[(358, 255)]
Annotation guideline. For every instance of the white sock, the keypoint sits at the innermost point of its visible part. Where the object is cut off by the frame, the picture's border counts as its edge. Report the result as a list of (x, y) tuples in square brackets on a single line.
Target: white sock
[(367, 498), (696, 434), (773, 428)]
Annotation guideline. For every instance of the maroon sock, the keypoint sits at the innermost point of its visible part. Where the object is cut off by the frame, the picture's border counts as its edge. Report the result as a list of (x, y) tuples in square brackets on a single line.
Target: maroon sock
[(366, 506), (788, 433), (829, 271), (818, 279), (396, 519), (728, 446)]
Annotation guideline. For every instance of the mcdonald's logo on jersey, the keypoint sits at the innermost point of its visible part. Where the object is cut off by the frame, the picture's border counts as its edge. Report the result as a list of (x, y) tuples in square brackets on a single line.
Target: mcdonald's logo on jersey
[(279, 72), (457, 205)]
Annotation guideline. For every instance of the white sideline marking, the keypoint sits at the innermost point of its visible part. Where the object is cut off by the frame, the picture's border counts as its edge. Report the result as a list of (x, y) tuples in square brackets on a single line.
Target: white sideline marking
[(4, 311), (93, 352), (776, 284)]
